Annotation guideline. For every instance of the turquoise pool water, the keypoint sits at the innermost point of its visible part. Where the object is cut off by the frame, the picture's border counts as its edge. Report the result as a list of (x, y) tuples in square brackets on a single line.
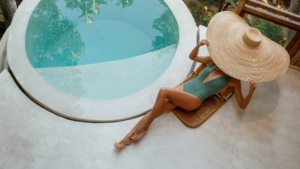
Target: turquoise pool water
[(101, 49)]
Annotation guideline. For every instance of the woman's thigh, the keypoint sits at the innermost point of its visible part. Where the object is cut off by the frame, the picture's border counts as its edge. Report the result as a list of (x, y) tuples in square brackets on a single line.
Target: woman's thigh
[(180, 98)]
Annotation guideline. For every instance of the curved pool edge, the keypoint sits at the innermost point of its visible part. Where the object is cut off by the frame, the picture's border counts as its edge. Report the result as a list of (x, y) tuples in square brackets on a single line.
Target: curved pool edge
[(80, 109)]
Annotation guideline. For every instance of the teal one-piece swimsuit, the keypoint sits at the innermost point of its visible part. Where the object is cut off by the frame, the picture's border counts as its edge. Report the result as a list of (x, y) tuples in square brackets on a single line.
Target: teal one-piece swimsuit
[(206, 89)]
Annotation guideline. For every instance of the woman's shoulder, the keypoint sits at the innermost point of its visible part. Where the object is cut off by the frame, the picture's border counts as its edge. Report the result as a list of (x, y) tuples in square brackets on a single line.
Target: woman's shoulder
[(234, 82), (211, 62)]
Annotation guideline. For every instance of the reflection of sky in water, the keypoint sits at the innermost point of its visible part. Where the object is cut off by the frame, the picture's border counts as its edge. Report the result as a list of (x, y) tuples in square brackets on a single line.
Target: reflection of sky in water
[(118, 47), (79, 32)]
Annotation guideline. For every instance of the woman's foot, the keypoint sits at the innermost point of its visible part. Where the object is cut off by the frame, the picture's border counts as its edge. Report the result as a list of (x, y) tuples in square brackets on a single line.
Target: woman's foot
[(139, 133), (126, 141)]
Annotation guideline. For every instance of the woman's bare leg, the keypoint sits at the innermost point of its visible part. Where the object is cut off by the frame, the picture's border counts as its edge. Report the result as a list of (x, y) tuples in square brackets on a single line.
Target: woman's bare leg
[(168, 102), (177, 97), (168, 105), (127, 139)]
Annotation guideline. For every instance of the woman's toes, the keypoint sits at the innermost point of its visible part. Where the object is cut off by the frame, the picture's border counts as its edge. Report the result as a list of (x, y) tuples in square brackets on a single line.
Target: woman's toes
[(117, 145), (123, 143)]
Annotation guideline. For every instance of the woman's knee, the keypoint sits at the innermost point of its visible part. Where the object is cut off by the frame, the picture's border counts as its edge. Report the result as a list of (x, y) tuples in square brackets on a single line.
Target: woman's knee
[(163, 92)]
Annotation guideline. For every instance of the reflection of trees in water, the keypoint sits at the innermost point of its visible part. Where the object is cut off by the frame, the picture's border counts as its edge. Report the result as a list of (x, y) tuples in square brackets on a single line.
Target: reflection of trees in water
[(125, 3), (86, 8), (51, 39), (167, 25)]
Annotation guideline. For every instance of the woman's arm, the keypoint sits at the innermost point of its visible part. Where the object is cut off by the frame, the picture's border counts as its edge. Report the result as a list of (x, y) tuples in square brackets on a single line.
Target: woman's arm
[(243, 102), (202, 59)]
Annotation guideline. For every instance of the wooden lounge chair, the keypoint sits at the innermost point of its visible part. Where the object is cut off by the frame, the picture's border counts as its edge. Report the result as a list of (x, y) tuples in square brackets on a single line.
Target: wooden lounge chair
[(207, 108)]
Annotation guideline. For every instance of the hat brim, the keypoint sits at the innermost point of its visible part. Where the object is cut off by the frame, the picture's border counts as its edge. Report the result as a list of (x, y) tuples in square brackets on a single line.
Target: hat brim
[(263, 63)]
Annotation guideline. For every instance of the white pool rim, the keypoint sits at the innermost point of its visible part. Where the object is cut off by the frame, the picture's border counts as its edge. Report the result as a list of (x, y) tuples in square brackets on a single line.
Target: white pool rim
[(88, 110)]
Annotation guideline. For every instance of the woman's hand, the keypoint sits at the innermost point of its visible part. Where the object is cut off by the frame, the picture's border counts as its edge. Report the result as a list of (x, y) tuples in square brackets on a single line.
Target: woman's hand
[(204, 42), (243, 102), (202, 59), (252, 85)]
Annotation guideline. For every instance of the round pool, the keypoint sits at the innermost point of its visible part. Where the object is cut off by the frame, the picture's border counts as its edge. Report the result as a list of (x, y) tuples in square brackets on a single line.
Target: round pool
[(100, 60), (101, 49)]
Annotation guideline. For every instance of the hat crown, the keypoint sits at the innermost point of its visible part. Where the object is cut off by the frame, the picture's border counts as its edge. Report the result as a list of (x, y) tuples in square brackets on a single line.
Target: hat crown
[(252, 37)]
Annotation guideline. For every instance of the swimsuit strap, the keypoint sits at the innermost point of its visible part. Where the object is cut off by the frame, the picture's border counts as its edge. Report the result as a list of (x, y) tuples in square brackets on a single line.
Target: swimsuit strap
[(203, 90), (207, 71)]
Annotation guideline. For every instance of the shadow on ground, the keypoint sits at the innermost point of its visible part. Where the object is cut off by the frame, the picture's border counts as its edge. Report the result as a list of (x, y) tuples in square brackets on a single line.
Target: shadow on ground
[(264, 101)]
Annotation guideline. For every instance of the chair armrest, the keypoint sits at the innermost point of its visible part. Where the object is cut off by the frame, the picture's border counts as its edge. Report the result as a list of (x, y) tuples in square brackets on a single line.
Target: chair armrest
[(225, 94)]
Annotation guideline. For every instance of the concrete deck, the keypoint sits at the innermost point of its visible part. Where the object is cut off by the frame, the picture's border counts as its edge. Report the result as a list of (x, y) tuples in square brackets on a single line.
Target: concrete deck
[(265, 135)]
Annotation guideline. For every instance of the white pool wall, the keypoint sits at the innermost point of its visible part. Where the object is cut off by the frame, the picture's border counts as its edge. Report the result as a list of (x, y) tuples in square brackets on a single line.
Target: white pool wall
[(98, 110)]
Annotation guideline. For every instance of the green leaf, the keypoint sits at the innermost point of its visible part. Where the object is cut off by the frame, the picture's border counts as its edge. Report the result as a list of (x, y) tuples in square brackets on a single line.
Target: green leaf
[(232, 2)]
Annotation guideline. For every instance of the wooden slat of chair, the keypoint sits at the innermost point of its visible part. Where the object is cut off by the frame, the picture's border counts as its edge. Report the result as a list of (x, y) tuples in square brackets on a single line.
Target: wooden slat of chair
[(295, 48), (275, 10), (272, 17), (239, 7), (293, 41)]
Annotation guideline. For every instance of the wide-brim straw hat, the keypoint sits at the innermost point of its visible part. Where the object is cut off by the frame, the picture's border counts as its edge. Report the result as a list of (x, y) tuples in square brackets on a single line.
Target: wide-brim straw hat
[(243, 52)]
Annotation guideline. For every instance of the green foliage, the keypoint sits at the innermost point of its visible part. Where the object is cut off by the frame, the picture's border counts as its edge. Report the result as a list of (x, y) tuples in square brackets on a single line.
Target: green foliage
[(208, 17), (125, 3), (268, 29), (196, 11), (201, 11), (86, 8), (210, 2), (287, 2), (163, 3), (166, 24), (232, 2), (193, 4), (51, 38)]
